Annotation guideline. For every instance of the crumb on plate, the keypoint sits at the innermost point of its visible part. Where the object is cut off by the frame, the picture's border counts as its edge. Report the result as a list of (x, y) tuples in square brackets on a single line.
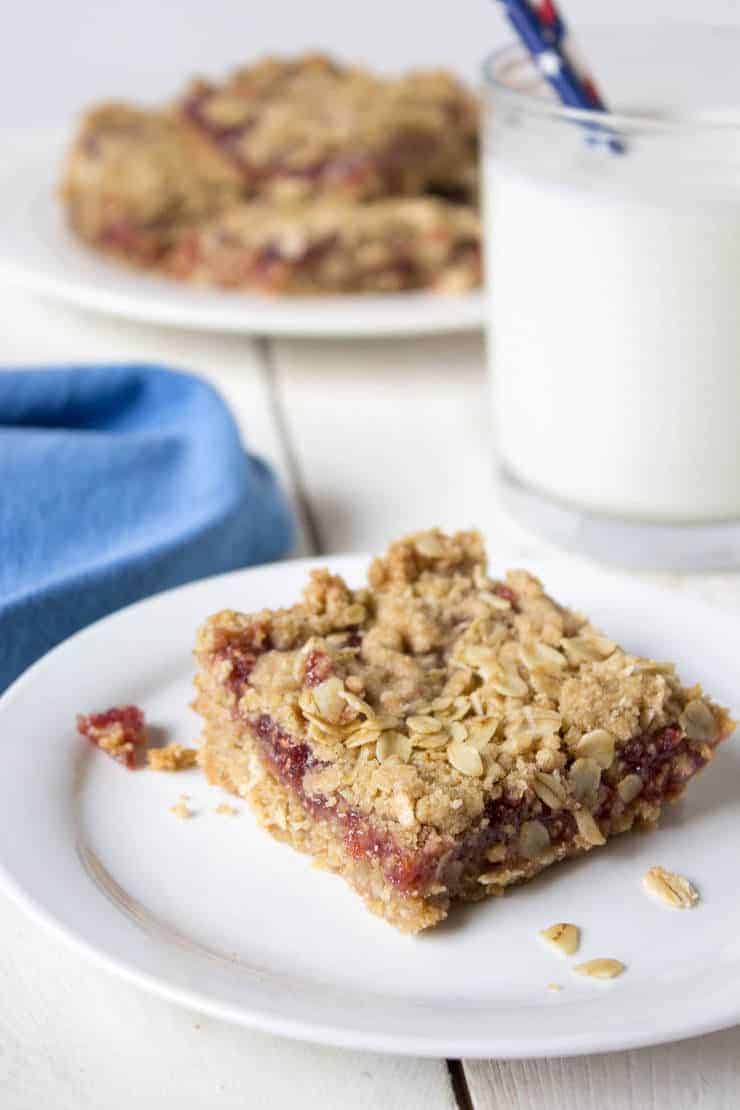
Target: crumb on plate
[(563, 938), (181, 810), (600, 968), (673, 890), (173, 757)]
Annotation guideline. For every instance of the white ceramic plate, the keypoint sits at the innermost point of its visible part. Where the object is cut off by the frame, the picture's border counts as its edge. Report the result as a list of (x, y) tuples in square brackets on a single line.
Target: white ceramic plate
[(213, 913), (38, 252)]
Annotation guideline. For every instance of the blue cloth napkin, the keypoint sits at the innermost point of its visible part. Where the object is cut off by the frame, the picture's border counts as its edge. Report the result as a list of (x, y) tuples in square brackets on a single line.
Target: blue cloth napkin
[(117, 482)]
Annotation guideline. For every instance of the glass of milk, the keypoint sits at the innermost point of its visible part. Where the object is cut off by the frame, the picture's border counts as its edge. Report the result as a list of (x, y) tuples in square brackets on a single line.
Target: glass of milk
[(614, 284)]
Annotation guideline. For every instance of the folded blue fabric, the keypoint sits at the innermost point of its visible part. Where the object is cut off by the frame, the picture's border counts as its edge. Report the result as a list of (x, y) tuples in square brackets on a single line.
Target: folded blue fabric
[(117, 482)]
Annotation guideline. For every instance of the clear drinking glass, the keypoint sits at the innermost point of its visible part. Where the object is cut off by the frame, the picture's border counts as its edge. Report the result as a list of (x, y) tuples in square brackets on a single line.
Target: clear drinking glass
[(614, 284)]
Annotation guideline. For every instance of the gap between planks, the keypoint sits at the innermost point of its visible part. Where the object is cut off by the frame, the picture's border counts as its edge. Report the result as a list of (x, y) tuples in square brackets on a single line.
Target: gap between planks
[(313, 538), (308, 519)]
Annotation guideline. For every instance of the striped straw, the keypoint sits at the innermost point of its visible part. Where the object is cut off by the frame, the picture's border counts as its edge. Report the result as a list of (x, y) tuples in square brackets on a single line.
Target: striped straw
[(543, 32)]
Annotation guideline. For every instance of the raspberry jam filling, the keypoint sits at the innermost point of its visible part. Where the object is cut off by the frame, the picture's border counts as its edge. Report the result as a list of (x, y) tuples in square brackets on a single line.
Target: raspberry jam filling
[(146, 244), (502, 820), (289, 761), (223, 135), (507, 594), (318, 668), (664, 760), (243, 653)]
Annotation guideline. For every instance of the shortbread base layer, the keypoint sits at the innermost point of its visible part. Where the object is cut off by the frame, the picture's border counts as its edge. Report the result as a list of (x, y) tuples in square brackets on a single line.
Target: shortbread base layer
[(231, 758)]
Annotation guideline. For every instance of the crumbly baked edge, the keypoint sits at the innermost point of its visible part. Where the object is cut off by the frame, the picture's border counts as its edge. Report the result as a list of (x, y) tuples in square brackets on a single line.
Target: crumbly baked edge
[(230, 759), (240, 771)]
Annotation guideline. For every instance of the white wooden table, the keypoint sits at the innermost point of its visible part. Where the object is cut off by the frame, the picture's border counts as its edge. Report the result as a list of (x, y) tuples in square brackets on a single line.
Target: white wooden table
[(370, 440)]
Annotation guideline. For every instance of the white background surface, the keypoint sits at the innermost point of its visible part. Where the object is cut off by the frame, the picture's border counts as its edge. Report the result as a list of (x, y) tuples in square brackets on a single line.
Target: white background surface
[(58, 56), (372, 439)]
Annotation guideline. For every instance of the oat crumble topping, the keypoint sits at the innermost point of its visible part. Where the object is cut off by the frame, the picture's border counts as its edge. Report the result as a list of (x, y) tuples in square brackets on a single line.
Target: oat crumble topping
[(442, 733)]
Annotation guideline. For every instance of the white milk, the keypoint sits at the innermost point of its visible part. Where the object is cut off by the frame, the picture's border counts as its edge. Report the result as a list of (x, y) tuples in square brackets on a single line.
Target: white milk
[(616, 327)]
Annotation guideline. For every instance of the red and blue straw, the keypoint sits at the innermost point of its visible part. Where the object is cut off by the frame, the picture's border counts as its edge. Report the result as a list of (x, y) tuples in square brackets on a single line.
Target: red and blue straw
[(543, 31)]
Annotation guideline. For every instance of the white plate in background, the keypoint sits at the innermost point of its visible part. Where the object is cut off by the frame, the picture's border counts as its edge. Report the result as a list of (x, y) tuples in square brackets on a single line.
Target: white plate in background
[(39, 252), (213, 913)]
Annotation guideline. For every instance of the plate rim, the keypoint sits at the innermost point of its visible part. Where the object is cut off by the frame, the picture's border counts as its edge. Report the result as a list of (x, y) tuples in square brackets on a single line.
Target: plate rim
[(247, 1015), (38, 154)]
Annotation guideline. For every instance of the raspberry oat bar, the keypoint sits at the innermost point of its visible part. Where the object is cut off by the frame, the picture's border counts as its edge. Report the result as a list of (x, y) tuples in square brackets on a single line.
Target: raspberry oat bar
[(441, 734), (325, 247), (134, 179), (293, 176), (296, 128)]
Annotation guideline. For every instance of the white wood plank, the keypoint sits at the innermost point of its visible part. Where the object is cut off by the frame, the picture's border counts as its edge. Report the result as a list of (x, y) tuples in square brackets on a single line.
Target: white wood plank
[(75, 1038), (701, 1072), (391, 436)]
